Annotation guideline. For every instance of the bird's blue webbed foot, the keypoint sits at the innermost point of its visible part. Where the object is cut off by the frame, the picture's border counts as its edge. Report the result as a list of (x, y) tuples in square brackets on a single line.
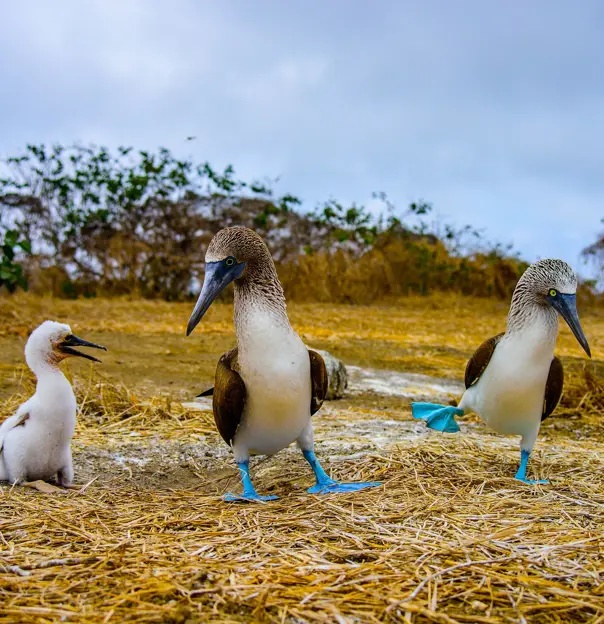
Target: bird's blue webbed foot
[(248, 497), (521, 474), (326, 485), (534, 481), (249, 492), (332, 487), (438, 417)]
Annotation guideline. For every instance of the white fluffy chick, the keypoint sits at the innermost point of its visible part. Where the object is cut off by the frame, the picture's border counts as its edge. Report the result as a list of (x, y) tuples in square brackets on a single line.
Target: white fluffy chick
[(35, 441)]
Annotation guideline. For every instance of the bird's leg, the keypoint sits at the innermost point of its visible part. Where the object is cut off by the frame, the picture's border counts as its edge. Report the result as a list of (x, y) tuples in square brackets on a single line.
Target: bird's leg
[(323, 480), (249, 492), (65, 474), (521, 474), (325, 484)]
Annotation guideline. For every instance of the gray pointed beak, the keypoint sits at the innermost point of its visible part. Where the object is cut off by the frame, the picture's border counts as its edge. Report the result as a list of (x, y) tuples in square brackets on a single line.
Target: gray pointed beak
[(218, 276), (71, 341), (566, 305)]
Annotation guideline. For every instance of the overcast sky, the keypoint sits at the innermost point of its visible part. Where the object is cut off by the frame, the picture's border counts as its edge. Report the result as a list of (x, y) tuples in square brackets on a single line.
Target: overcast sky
[(492, 110)]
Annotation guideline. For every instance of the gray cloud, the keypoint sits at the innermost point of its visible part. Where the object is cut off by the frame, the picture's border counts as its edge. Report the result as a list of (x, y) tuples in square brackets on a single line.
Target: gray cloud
[(492, 111)]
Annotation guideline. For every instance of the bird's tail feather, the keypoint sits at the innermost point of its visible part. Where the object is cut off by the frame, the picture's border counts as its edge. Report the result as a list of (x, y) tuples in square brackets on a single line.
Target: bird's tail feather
[(439, 417)]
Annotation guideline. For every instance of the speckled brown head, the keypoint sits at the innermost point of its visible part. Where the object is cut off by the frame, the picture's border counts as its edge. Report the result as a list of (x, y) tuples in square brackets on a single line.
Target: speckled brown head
[(237, 254), (543, 276), (240, 243), (547, 284)]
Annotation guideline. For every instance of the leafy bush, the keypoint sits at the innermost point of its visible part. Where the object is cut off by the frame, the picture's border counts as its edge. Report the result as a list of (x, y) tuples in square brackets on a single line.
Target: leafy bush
[(11, 272), (138, 223)]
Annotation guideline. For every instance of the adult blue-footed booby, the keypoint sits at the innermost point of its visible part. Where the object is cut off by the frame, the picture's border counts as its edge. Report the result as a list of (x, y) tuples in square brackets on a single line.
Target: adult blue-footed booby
[(35, 441), (266, 389), (513, 381)]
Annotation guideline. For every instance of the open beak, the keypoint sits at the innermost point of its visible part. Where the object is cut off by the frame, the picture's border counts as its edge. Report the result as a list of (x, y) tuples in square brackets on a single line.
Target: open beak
[(218, 276), (566, 305), (71, 341)]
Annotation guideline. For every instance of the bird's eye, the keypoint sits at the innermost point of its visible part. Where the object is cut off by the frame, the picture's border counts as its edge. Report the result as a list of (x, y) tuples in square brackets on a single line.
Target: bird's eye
[(230, 261), (553, 292)]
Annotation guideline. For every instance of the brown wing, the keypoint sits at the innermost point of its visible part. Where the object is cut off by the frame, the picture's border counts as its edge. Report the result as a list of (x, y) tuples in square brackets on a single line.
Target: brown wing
[(553, 387), (318, 377), (229, 396), (480, 360)]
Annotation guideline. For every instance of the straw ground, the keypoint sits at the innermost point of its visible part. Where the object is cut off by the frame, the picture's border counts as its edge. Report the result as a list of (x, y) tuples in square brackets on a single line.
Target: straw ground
[(449, 537)]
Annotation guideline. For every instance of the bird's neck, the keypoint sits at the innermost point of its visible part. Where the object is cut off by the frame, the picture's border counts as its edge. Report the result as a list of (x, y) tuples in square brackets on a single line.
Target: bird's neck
[(50, 377), (259, 298), (529, 316)]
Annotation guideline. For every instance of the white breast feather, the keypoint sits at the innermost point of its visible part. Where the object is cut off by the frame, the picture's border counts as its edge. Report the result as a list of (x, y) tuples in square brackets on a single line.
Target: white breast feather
[(510, 393), (275, 367), (39, 448)]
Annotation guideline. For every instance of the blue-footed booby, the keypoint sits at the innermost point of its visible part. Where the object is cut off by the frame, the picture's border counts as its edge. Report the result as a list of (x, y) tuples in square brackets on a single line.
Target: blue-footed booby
[(513, 381), (266, 389), (35, 441)]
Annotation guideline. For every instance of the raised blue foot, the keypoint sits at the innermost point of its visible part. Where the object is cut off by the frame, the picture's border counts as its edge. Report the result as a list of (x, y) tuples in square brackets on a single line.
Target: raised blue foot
[(521, 474), (326, 485), (249, 492), (439, 417)]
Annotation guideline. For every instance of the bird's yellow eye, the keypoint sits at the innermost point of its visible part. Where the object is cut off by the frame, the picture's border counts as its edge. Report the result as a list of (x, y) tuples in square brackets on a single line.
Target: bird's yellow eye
[(553, 292), (230, 261)]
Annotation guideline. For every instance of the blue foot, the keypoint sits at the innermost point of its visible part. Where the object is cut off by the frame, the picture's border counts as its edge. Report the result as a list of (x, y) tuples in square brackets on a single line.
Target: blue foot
[(249, 492), (533, 481), (438, 417), (251, 497), (334, 486), (521, 474), (326, 485)]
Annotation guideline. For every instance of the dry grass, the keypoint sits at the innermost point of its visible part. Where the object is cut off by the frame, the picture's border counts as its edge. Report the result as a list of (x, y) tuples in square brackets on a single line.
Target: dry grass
[(449, 537), (149, 350)]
